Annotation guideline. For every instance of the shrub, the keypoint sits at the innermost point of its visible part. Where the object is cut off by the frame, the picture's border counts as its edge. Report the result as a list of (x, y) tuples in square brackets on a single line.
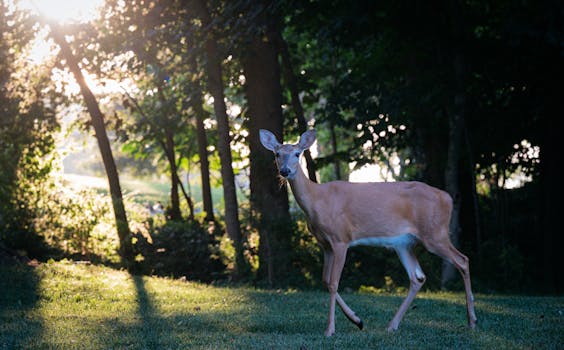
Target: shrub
[(179, 249)]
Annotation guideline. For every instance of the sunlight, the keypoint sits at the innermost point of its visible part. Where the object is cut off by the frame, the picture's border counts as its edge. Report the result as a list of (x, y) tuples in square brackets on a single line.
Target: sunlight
[(42, 48), (66, 83), (64, 11), (370, 173)]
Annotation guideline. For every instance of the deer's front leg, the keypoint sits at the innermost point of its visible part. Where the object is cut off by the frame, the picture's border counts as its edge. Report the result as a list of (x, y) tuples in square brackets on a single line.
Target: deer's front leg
[(332, 269), (327, 265)]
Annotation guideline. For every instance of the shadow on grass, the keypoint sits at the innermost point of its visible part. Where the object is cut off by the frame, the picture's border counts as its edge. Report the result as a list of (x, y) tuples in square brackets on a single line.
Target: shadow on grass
[(19, 325), (147, 313), (152, 325)]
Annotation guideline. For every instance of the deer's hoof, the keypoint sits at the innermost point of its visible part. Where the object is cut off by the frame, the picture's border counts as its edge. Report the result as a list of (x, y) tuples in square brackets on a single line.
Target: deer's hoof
[(360, 324), (392, 328)]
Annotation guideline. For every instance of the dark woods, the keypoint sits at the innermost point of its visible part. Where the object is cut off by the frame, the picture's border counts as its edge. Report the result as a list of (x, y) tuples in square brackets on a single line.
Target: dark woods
[(463, 95)]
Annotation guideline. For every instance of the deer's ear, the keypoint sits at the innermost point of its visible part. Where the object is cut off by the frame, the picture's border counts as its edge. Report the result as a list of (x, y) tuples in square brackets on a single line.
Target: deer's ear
[(268, 140), (307, 139)]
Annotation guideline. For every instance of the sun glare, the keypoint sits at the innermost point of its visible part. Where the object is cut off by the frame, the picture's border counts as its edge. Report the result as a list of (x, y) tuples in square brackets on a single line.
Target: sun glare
[(65, 11)]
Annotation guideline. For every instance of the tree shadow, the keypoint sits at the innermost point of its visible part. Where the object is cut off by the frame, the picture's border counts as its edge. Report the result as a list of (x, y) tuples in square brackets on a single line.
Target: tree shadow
[(154, 328), (19, 295), (148, 315)]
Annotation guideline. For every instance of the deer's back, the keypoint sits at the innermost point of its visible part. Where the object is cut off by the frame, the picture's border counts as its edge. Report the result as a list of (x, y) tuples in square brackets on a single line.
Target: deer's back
[(386, 209)]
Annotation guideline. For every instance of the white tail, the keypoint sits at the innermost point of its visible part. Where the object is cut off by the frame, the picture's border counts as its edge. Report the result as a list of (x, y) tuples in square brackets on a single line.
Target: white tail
[(396, 215)]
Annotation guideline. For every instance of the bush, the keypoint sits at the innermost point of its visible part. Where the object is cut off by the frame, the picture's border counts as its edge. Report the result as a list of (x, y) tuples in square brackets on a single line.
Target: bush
[(68, 221), (179, 249)]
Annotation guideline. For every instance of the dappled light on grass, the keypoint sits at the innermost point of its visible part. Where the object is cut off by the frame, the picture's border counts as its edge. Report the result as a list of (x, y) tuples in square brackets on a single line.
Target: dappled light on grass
[(73, 306)]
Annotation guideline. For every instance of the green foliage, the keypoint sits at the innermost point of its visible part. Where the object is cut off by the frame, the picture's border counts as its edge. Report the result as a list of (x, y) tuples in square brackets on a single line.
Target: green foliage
[(27, 126), (78, 223), (179, 249)]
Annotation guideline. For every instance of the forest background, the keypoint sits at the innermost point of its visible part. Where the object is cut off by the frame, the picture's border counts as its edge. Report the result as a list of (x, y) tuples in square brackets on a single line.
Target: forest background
[(166, 99)]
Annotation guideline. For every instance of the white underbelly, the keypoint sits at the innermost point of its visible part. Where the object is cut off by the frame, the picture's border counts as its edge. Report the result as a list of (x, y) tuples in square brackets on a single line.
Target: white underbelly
[(404, 240)]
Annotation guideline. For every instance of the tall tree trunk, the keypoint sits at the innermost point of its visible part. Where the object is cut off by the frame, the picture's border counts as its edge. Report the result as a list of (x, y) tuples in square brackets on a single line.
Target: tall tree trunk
[(551, 238), (204, 164), (456, 127), (269, 200), (215, 85), (451, 182), (187, 197), (174, 180), (202, 142), (290, 79), (97, 118), (474, 190)]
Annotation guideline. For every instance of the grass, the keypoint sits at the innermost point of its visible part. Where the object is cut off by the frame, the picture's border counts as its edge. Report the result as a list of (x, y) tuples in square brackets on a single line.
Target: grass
[(62, 305), (140, 190)]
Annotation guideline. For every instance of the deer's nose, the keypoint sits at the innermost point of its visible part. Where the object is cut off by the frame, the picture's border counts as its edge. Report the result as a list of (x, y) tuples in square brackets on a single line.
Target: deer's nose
[(285, 172)]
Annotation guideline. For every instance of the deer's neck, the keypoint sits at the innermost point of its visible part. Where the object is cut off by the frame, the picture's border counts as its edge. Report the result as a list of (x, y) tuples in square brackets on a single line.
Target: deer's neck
[(303, 190)]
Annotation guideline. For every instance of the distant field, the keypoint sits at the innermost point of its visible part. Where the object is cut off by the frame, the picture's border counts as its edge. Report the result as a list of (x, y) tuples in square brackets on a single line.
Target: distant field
[(140, 190), (62, 305)]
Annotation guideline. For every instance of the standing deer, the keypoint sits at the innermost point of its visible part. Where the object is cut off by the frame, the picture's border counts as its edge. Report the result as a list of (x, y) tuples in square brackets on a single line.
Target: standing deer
[(396, 215)]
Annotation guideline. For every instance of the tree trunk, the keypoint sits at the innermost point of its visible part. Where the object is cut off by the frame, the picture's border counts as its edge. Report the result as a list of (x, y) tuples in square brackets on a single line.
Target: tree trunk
[(174, 213), (97, 118), (202, 143), (204, 165), (474, 189), (215, 85), (290, 79), (456, 125), (551, 238), (269, 200), (187, 197)]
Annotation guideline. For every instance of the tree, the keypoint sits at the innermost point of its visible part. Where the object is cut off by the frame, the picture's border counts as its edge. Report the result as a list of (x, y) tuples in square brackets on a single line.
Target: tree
[(196, 103), (292, 84), (162, 118), (97, 118), (215, 86), (28, 125), (269, 199)]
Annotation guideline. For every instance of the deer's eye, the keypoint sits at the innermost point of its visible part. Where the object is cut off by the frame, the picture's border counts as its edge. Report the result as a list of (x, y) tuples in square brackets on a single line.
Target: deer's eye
[(297, 154), (277, 154)]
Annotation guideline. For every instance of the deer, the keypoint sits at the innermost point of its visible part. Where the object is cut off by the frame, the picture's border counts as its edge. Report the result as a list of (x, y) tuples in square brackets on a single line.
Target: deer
[(396, 215)]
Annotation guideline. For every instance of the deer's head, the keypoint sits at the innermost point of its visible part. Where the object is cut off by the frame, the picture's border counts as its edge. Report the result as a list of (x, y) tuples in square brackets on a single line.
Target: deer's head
[(287, 155)]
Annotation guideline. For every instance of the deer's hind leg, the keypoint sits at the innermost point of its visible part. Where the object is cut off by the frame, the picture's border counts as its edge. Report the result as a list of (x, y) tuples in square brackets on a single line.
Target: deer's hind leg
[(446, 250), (416, 278)]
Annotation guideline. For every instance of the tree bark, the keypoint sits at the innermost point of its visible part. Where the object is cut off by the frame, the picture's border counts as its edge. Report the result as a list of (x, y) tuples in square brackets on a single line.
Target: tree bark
[(215, 85), (269, 200), (187, 197), (202, 143), (174, 212), (97, 118), (204, 164), (456, 128), (290, 79), (455, 135), (451, 183)]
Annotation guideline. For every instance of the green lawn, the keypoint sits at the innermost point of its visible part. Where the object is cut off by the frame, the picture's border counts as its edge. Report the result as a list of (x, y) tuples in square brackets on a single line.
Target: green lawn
[(141, 190), (64, 305)]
